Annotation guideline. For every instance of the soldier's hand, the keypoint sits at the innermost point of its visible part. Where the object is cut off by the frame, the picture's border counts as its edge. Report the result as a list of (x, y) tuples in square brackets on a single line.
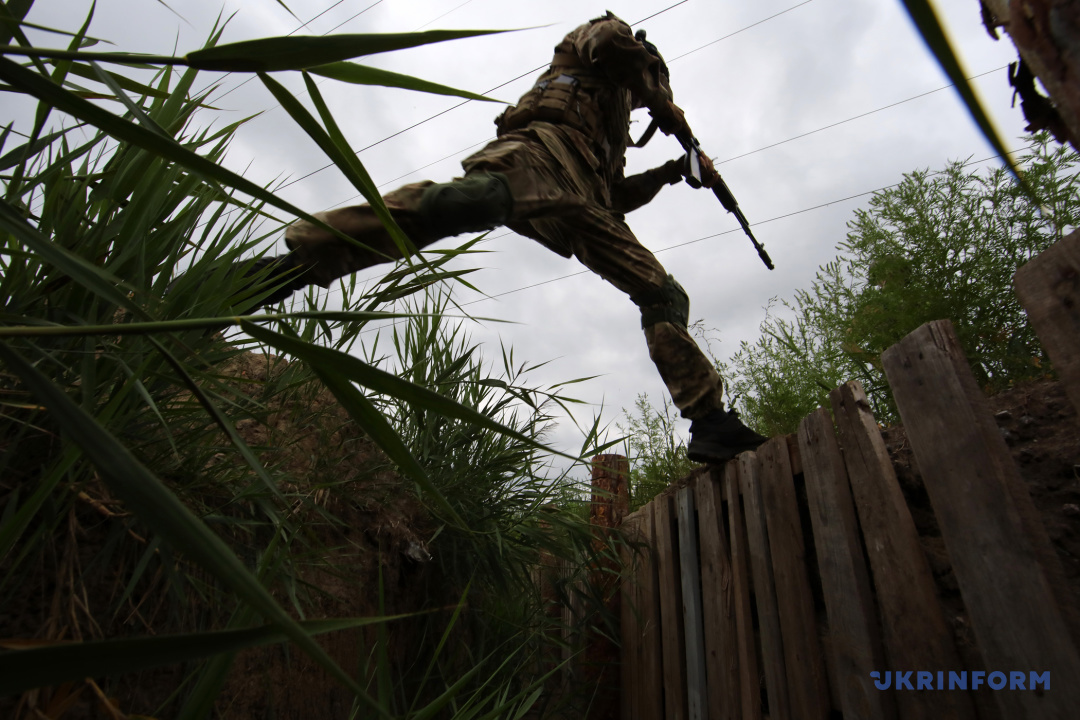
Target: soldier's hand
[(672, 121), (671, 172), (709, 176)]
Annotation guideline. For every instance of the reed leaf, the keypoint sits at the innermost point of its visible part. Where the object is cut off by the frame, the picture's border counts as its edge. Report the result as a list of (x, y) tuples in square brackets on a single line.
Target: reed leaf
[(121, 129), (345, 159), (26, 669), (202, 323), (297, 53), (90, 276), (924, 16), (144, 494), (356, 370), (364, 75)]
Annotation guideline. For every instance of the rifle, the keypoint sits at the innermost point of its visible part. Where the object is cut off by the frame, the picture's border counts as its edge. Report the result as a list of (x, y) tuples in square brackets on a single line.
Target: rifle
[(720, 190)]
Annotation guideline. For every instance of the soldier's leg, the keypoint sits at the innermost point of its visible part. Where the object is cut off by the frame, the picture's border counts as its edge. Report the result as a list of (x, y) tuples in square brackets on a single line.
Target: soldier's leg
[(425, 211), (606, 246)]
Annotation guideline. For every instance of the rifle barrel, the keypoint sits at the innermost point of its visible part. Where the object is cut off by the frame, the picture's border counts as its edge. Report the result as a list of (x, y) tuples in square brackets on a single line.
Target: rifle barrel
[(722, 192)]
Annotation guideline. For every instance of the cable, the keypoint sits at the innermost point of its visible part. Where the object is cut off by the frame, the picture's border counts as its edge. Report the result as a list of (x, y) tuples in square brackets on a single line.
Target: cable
[(856, 117), (443, 15), (655, 14), (433, 162), (464, 102), (679, 57), (298, 28), (303, 25), (683, 244), (334, 291), (454, 107), (832, 125), (320, 14), (716, 162), (353, 17)]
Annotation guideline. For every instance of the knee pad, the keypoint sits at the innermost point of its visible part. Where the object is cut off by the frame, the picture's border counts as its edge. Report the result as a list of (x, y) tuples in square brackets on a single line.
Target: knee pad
[(477, 202), (667, 303)]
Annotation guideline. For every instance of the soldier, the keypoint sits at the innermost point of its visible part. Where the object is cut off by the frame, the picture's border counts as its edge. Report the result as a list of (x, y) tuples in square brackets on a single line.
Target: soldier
[(555, 174)]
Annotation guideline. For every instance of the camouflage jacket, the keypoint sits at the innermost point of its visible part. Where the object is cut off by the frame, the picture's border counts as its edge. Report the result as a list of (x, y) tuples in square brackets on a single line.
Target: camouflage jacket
[(599, 73)]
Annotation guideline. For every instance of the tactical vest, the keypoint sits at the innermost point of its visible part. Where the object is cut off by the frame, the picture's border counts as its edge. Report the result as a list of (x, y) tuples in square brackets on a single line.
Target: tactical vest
[(569, 93)]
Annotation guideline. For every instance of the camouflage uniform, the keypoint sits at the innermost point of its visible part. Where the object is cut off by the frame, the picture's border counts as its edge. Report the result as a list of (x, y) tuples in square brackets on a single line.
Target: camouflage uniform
[(560, 152)]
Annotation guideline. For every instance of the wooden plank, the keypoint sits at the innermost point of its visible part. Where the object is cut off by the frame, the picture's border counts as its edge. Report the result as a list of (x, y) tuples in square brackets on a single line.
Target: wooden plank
[(808, 684), (671, 625), (630, 625), (995, 555), (650, 694), (566, 569), (772, 644), (749, 696), (1049, 289), (793, 453), (718, 597), (611, 495), (697, 696), (855, 638), (905, 589)]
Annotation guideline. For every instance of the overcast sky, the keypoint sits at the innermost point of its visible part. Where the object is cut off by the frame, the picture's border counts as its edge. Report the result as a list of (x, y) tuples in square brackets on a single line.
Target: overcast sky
[(752, 78)]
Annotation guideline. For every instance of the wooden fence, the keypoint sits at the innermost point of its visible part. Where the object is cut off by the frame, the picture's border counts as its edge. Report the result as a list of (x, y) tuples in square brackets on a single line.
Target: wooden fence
[(773, 587)]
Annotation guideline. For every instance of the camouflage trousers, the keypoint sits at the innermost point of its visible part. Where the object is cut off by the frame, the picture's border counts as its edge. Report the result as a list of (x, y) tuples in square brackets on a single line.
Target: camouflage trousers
[(560, 201)]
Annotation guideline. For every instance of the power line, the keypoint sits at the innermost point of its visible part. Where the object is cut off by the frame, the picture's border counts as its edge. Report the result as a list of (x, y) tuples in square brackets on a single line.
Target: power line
[(433, 162), (514, 79), (655, 14), (464, 102), (353, 17), (793, 7), (766, 147), (717, 162), (856, 117), (321, 14), (455, 9), (791, 139), (297, 29), (684, 244)]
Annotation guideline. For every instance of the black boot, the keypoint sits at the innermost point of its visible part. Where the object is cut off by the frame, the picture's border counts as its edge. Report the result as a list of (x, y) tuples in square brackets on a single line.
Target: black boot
[(720, 436), (281, 267)]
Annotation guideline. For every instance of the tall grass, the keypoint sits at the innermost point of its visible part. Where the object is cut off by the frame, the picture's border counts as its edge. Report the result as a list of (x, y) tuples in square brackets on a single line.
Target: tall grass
[(136, 517)]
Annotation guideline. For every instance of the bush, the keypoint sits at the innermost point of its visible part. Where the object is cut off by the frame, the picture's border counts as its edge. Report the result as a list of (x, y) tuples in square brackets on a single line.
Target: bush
[(937, 245)]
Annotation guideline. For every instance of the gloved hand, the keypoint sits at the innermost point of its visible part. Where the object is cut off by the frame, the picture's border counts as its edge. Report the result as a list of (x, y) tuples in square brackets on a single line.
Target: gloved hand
[(672, 121), (671, 172), (709, 176)]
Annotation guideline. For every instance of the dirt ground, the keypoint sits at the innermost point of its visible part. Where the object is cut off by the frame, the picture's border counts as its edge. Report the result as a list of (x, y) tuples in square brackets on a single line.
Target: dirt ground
[(380, 528), (1041, 428), (347, 499)]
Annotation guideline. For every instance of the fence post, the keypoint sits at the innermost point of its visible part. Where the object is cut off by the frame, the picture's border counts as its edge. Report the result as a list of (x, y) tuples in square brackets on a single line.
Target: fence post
[(853, 625), (718, 595), (772, 643), (610, 503), (1000, 553), (749, 691), (1049, 289), (630, 609), (808, 689), (690, 570), (904, 585), (672, 634)]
